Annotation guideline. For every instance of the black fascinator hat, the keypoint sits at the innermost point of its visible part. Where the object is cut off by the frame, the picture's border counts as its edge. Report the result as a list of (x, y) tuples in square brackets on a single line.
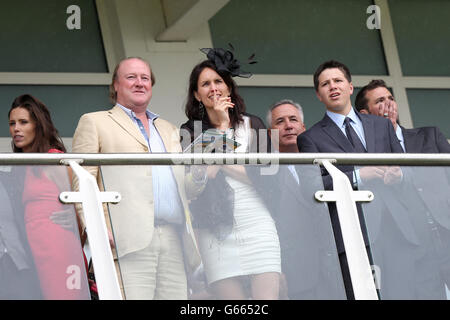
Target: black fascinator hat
[(224, 61)]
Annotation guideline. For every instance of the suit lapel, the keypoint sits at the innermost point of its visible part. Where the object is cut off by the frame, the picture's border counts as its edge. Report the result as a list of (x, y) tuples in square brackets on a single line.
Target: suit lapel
[(169, 135), (119, 116), (413, 140), (290, 182), (369, 132), (292, 186), (333, 131)]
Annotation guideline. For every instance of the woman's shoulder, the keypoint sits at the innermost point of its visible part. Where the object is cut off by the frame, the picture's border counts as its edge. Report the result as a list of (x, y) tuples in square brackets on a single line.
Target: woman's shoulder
[(187, 125), (196, 125)]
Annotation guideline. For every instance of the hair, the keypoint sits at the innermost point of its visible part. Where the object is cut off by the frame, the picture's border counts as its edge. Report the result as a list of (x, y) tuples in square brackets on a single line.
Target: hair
[(281, 102), (112, 90), (46, 135), (331, 64), (361, 100), (192, 108)]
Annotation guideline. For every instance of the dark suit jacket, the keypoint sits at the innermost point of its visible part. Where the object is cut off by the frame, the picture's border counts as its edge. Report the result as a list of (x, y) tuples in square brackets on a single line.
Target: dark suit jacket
[(431, 183), (24, 278), (13, 214), (297, 231), (308, 251), (425, 140), (326, 137)]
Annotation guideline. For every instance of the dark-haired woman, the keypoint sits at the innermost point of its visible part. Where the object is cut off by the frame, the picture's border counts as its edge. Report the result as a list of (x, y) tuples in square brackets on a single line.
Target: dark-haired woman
[(237, 236), (55, 246)]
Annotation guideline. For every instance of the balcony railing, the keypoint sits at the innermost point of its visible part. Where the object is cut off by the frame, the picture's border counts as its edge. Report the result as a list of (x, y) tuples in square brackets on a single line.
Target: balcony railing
[(395, 230)]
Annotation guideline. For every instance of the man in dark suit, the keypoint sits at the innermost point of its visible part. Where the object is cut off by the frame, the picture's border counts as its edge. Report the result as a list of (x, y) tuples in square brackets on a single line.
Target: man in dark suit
[(308, 254), (18, 276), (376, 99), (332, 82), (343, 130), (426, 198)]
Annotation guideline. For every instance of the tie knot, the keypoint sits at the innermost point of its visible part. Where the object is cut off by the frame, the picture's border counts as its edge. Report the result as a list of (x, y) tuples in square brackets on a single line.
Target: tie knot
[(347, 121), (353, 137)]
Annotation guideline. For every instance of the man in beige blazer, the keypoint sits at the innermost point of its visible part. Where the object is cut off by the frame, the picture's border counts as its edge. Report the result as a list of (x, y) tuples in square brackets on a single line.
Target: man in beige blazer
[(152, 230)]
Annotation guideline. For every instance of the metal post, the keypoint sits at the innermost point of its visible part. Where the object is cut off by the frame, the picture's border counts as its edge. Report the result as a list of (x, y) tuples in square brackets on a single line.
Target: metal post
[(358, 261), (91, 198)]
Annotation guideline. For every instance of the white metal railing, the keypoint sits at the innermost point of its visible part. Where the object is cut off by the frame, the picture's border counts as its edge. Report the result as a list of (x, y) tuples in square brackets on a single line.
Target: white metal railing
[(91, 159), (358, 261), (91, 198)]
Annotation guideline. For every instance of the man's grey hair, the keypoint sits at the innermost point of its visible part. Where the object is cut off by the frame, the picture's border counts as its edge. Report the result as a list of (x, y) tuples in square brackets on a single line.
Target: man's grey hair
[(281, 102)]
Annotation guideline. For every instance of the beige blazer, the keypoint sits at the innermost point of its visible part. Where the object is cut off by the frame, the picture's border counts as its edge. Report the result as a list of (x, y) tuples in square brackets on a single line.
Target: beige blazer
[(132, 219)]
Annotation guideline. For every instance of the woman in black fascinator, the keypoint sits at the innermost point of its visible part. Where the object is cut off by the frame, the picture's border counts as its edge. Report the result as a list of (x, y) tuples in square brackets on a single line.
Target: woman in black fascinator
[(237, 236)]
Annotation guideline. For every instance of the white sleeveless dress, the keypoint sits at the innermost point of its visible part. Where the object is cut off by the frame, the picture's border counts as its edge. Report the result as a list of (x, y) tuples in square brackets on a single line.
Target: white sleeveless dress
[(252, 247)]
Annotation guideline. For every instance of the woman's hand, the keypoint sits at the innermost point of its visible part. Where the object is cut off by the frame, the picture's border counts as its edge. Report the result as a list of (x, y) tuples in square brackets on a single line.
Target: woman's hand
[(221, 117)]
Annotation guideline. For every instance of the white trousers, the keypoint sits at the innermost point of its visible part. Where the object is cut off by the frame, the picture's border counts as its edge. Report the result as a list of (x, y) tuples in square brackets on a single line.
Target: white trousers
[(156, 272)]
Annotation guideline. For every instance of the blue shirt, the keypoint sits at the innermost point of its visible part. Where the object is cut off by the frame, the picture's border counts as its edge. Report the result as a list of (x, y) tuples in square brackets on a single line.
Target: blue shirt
[(356, 124), (291, 168), (399, 134), (167, 202)]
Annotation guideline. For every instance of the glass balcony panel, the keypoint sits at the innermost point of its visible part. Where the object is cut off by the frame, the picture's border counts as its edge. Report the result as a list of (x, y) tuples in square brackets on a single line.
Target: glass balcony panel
[(240, 220), (408, 227), (40, 249)]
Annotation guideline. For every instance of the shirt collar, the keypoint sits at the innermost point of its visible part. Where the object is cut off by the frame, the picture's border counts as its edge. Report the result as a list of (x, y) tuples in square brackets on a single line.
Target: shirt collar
[(150, 115), (399, 133), (339, 118)]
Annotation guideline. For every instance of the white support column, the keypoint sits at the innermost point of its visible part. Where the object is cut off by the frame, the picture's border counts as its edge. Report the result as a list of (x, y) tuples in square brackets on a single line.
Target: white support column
[(182, 28), (394, 64), (91, 198), (358, 262)]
